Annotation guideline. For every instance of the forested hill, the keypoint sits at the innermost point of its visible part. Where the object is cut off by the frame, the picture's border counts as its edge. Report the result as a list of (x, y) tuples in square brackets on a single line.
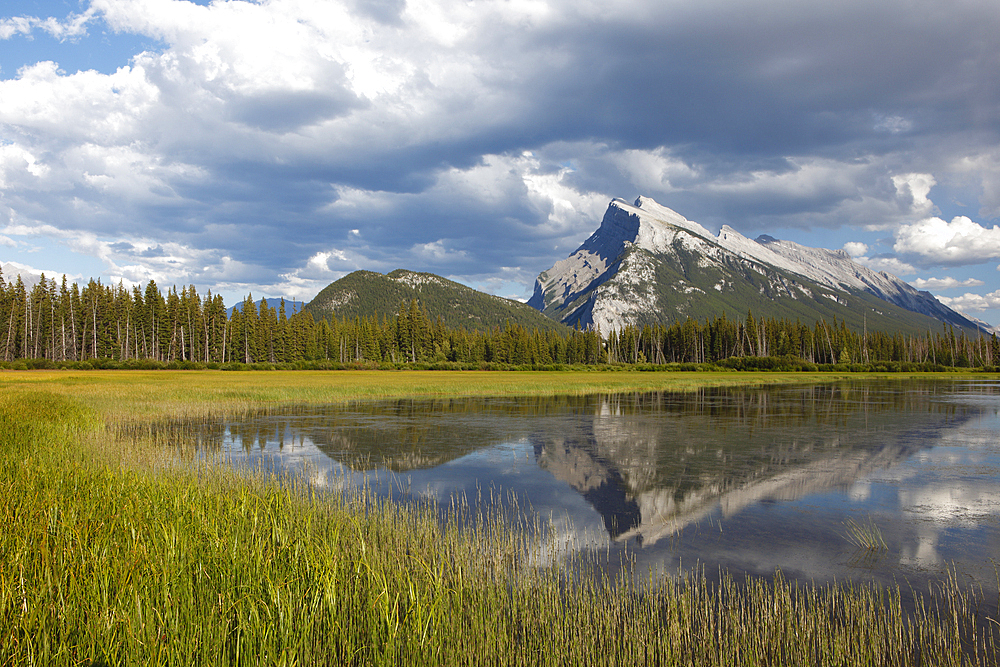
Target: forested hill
[(371, 294)]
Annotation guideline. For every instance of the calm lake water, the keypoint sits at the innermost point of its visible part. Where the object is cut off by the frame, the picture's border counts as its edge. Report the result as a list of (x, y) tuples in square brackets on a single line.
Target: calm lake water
[(748, 479)]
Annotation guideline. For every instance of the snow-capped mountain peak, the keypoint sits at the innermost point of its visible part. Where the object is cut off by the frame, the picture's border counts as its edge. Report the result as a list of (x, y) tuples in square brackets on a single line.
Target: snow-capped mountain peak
[(647, 262)]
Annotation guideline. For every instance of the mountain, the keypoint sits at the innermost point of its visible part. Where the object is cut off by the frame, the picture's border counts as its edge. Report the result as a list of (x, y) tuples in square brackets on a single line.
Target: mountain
[(366, 293), (648, 264), (292, 306), (30, 277)]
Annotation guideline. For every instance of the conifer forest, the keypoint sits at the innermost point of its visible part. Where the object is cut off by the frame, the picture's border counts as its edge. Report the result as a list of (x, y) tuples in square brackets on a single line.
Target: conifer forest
[(60, 323)]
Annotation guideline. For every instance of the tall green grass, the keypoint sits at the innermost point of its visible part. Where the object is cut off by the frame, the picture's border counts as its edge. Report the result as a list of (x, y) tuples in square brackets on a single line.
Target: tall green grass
[(148, 562)]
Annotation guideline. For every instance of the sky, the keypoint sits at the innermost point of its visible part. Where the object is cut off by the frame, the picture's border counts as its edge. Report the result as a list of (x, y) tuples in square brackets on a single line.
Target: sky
[(271, 147)]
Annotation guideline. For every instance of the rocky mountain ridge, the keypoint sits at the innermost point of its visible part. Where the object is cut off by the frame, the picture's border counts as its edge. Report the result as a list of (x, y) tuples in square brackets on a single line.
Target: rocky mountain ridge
[(647, 263)]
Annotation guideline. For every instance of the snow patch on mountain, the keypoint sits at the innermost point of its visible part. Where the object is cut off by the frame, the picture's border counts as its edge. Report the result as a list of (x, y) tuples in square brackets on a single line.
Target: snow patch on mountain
[(834, 268), (610, 280)]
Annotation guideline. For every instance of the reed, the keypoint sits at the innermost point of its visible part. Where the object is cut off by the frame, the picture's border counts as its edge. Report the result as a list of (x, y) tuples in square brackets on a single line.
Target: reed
[(113, 553), (865, 536)]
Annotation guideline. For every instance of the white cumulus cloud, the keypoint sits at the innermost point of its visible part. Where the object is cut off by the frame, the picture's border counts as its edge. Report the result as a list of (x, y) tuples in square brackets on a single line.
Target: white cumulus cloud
[(437, 252), (972, 302), (654, 170), (855, 248), (914, 189), (944, 283), (954, 243)]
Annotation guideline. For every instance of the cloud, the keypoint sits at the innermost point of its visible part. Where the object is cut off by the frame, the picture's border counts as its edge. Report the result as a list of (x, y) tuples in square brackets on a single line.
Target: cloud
[(800, 192), (944, 283), (72, 28), (517, 202), (321, 260), (893, 124), (981, 169), (18, 25), (258, 136), (972, 303), (891, 265), (141, 260), (437, 254), (913, 189), (959, 242), (654, 170), (791, 180), (855, 248)]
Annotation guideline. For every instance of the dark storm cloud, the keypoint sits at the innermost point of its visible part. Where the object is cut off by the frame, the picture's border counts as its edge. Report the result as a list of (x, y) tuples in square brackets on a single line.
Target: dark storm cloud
[(734, 81), (771, 79), (734, 88)]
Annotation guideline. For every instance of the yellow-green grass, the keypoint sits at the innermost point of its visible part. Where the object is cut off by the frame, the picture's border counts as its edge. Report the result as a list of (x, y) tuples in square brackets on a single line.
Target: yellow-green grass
[(865, 536), (155, 394), (145, 563)]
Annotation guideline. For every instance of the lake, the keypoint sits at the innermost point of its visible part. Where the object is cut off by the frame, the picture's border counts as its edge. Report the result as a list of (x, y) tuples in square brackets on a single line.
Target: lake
[(752, 480)]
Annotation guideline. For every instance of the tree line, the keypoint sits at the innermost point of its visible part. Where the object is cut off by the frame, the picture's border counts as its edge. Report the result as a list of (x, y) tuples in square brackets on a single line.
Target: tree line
[(68, 323), (821, 343), (64, 322)]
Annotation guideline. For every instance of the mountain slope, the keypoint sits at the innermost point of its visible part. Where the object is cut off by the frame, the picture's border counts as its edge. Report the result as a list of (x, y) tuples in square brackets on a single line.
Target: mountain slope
[(292, 306), (648, 264), (366, 293)]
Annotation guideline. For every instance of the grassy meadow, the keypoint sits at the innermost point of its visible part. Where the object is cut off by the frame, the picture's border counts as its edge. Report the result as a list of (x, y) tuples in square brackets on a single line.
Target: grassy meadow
[(116, 550)]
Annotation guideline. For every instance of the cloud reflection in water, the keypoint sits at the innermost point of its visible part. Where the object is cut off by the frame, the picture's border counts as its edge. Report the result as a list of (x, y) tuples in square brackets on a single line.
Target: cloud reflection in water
[(747, 479)]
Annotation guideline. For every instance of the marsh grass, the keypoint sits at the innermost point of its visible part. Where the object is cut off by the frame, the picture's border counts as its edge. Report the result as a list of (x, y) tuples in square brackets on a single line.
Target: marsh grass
[(865, 536), (113, 552), (122, 396)]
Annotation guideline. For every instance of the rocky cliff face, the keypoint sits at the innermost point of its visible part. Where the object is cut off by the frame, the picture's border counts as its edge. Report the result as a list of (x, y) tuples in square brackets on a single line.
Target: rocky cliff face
[(647, 263)]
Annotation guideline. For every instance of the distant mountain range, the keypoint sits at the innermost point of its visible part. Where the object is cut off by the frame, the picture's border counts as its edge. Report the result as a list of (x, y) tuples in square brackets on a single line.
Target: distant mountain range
[(10, 272), (292, 306), (367, 293), (648, 264)]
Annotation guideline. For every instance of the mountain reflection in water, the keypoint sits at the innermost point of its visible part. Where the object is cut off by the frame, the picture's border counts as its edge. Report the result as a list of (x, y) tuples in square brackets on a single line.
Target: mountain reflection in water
[(653, 464), (781, 468)]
